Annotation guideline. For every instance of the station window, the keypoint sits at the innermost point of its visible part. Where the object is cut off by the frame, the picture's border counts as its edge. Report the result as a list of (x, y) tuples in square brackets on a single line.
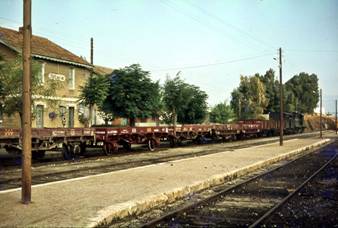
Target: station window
[(1, 116), (41, 74), (71, 111), (39, 116), (63, 112), (71, 78)]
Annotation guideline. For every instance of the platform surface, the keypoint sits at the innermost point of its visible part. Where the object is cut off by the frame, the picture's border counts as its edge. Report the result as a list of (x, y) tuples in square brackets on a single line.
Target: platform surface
[(89, 201)]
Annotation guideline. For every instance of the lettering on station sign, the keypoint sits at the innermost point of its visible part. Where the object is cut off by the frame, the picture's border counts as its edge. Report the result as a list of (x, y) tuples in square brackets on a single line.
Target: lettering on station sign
[(58, 77)]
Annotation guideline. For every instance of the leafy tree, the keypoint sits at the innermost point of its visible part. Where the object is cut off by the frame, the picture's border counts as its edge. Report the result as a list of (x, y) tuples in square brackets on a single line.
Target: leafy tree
[(132, 94), (300, 94), (235, 103), (271, 91), (221, 113), (106, 113), (175, 98), (11, 86), (94, 92), (304, 87), (290, 101), (195, 109), (2, 69), (183, 102), (249, 100)]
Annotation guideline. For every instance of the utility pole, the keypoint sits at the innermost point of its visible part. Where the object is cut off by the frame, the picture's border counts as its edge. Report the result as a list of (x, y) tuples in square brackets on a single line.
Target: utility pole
[(26, 112), (281, 120), (336, 118), (320, 108), (239, 108), (91, 51), (91, 107)]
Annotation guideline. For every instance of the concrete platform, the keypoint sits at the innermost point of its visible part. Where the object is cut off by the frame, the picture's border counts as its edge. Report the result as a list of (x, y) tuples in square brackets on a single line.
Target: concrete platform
[(96, 200)]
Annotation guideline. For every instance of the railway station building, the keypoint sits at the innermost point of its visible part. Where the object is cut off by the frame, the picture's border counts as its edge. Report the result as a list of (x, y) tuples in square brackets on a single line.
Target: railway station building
[(70, 72), (55, 64)]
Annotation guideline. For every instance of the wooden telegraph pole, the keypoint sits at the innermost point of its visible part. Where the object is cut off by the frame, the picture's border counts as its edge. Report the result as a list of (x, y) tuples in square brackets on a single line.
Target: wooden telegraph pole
[(336, 119), (26, 96), (281, 120), (91, 51), (320, 108), (91, 107)]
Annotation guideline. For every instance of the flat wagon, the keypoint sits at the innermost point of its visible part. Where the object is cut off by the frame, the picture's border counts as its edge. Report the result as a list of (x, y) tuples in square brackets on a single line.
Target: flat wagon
[(74, 141)]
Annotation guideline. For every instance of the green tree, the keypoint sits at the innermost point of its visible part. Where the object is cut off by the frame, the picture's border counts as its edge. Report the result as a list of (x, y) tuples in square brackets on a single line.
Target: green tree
[(2, 69), (195, 109), (132, 94), (183, 102), (94, 92), (271, 91), (11, 86), (290, 101), (221, 113), (175, 98), (248, 100), (305, 90)]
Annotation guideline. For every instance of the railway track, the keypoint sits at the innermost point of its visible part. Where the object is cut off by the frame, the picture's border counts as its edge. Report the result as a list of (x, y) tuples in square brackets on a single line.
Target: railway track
[(257, 201), (55, 157), (55, 171), (315, 203)]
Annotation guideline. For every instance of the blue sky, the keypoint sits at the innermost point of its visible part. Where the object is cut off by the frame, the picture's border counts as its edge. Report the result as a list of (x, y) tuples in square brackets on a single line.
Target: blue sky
[(211, 42)]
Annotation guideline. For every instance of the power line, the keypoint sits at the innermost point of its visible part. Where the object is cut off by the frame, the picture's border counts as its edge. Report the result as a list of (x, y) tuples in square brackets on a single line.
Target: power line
[(213, 64), (176, 9), (196, 19), (45, 33), (228, 24), (313, 50)]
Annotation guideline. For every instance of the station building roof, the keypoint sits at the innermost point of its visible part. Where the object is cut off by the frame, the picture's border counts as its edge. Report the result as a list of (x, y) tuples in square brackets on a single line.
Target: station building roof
[(42, 48), (102, 70)]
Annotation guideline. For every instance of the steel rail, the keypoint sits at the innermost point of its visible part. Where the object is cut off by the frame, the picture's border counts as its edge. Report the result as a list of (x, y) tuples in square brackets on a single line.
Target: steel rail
[(89, 158), (287, 198), (126, 165), (144, 162), (226, 190)]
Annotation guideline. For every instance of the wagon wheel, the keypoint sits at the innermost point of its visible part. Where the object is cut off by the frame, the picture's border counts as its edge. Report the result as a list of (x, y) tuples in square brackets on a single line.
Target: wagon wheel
[(82, 148), (67, 152), (224, 139), (180, 140), (199, 139), (38, 154), (234, 137), (126, 146), (151, 144), (109, 148), (76, 150), (172, 141)]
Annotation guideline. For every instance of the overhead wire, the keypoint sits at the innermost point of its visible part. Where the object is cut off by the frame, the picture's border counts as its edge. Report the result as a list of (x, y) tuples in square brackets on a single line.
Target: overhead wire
[(213, 64), (312, 50), (211, 27), (222, 21), (42, 31)]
